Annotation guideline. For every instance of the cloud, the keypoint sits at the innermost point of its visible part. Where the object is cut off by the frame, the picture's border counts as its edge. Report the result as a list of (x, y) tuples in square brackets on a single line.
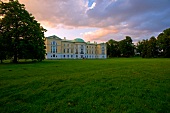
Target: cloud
[(136, 18), (100, 33)]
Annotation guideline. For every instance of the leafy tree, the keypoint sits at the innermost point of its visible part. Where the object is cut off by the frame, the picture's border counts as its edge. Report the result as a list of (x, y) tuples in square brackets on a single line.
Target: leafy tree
[(164, 43), (113, 48), (148, 48), (139, 47), (25, 36), (126, 47), (152, 47), (144, 48)]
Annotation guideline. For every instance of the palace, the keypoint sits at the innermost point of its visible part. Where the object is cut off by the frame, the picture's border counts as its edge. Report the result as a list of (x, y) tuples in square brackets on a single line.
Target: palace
[(57, 48)]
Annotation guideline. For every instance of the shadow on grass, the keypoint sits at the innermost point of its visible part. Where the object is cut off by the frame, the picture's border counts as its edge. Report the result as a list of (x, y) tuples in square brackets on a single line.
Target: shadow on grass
[(8, 62)]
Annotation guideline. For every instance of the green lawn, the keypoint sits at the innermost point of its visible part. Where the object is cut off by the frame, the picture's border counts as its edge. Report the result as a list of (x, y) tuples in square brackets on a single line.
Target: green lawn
[(86, 86)]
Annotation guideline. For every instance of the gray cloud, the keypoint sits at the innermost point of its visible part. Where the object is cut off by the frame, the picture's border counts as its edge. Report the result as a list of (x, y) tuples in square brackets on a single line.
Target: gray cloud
[(136, 18)]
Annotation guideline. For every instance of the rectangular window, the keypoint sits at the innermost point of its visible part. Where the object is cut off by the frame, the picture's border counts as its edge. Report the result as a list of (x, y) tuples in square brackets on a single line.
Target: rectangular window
[(76, 51), (53, 49), (103, 50)]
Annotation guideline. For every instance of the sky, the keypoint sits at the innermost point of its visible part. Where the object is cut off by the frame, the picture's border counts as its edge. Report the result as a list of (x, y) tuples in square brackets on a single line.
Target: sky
[(101, 20)]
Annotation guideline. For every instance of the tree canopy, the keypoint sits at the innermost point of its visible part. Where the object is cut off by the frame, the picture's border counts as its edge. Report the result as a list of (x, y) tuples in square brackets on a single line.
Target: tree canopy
[(155, 47), (21, 36), (124, 48), (146, 48)]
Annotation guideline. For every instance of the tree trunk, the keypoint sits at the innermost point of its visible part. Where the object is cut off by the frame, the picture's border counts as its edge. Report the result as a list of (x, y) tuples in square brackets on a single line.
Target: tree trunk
[(15, 58), (15, 54)]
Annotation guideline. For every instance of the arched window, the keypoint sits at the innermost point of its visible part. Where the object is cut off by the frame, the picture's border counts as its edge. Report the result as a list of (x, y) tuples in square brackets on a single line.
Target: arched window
[(53, 43)]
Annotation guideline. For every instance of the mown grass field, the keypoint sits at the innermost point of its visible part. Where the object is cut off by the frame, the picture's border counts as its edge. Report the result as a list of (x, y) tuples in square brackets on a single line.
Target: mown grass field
[(86, 86)]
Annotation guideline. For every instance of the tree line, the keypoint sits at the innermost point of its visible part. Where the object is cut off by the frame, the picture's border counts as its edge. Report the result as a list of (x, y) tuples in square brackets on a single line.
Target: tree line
[(146, 48), (21, 36), (123, 48)]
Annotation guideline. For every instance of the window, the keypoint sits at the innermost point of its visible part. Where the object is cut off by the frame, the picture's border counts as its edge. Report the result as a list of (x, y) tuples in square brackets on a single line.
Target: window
[(53, 47), (82, 49), (76, 51), (53, 43), (64, 56), (56, 56), (71, 50), (68, 56), (103, 50), (67, 50), (53, 55), (68, 45), (71, 56)]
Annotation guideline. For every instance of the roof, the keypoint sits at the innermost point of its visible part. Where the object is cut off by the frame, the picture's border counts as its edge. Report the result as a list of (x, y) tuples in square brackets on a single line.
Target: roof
[(56, 37), (79, 40)]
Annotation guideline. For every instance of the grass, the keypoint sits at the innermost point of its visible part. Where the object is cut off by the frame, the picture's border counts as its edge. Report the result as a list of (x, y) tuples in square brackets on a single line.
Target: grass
[(86, 86)]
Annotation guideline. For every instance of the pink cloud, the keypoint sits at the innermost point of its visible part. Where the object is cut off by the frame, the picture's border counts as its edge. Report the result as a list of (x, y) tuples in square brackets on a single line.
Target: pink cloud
[(98, 34), (127, 17)]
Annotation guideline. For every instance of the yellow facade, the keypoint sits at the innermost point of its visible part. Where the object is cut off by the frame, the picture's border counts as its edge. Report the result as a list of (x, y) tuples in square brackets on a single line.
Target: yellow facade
[(57, 48)]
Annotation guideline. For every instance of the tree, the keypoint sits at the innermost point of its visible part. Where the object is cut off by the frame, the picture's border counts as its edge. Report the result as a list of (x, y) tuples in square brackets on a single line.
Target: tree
[(113, 48), (25, 35), (126, 47), (152, 47), (164, 43), (148, 48), (139, 47)]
